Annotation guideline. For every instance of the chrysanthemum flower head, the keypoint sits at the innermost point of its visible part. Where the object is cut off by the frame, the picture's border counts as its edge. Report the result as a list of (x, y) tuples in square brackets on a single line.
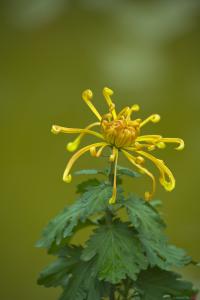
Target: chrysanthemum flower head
[(122, 134)]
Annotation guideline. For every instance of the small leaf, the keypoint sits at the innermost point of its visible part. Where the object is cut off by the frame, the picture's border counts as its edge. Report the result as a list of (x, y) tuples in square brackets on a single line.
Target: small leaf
[(154, 284), (106, 171), (127, 172), (117, 251), (88, 172)]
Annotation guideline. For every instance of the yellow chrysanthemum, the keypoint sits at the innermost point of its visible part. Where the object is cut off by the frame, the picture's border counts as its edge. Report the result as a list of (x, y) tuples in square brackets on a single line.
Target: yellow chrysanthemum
[(122, 134)]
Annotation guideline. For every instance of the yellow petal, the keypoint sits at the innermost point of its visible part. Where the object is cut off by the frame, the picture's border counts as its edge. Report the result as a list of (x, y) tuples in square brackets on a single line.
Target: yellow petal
[(169, 183), (149, 138), (143, 170), (67, 178), (59, 129), (87, 97), (178, 141), (153, 118), (107, 93), (72, 146), (66, 175)]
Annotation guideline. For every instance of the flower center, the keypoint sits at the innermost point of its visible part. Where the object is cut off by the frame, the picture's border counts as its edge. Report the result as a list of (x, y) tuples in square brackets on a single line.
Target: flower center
[(120, 133)]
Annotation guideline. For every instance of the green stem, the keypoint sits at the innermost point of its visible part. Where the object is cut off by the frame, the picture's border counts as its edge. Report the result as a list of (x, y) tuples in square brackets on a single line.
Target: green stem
[(112, 293)]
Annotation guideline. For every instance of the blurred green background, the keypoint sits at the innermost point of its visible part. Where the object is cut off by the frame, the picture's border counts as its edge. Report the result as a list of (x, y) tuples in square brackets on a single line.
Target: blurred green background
[(51, 50)]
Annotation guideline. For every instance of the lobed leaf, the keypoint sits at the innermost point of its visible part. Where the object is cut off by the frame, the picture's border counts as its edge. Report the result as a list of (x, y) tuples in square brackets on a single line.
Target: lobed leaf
[(155, 284), (93, 201), (77, 278), (150, 227), (118, 253)]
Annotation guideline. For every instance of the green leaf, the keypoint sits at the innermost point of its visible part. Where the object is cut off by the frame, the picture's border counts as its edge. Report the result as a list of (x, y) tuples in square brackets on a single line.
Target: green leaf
[(117, 251), (86, 185), (76, 277), (144, 218), (58, 272), (89, 172), (93, 201), (106, 171), (127, 172), (150, 227), (78, 285), (154, 284), (165, 256)]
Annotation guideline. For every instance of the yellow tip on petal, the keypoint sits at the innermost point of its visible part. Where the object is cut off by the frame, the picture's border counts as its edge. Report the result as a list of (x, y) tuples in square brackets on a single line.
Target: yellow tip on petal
[(87, 95), (112, 157), (147, 196), (151, 148), (161, 145), (112, 200), (155, 118), (135, 107), (168, 186), (93, 151), (107, 91), (72, 146), (139, 160), (55, 129), (67, 178), (181, 146)]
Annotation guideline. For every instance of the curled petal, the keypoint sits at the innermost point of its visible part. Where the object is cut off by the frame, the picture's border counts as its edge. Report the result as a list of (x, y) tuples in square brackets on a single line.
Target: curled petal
[(127, 112), (178, 141), (96, 153), (153, 118), (87, 97), (72, 146), (169, 182), (99, 152), (134, 108), (67, 176), (58, 129), (124, 112), (137, 163), (107, 93)]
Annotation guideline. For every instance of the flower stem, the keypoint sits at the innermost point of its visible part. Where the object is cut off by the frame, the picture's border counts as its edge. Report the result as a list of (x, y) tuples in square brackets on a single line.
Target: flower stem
[(112, 293)]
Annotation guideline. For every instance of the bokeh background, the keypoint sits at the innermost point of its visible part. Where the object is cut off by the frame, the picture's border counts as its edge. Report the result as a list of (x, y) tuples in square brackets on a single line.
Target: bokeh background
[(51, 50)]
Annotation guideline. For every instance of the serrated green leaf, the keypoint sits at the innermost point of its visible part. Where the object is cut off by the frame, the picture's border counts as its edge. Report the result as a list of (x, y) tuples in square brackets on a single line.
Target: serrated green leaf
[(91, 202), (76, 277), (59, 272), (144, 217), (165, 256), (117, 251), (78, 287), (150, 227), (154, 284)]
